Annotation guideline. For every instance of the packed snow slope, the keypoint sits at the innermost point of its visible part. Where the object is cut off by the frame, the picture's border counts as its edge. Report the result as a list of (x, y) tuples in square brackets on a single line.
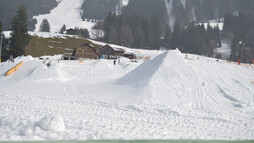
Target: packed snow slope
[(167, 97), (67, 12)]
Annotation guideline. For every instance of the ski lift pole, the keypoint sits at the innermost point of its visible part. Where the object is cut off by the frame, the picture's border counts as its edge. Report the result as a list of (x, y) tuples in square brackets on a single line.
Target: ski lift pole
[(1, 43)]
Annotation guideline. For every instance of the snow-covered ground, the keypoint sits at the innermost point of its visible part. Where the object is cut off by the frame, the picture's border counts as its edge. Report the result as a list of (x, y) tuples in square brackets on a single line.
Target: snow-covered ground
[(214, 24), (167, 97), (224, 50), (67, 12), (7, 34)]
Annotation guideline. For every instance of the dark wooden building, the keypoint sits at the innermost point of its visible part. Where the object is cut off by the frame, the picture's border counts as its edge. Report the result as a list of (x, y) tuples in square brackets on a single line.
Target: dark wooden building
[(68, 57), (71, 31), (130, 55), (107, 52), (85, 51)]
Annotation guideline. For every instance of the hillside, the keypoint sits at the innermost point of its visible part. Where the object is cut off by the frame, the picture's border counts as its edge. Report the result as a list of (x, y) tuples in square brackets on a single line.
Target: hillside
[(34, 7), (167, 97), (67, 12), (40, 46), (72, 13)]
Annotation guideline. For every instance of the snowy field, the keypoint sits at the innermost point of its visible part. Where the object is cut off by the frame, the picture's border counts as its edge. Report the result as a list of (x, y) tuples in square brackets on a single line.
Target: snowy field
[(67, 12), (166, 97)]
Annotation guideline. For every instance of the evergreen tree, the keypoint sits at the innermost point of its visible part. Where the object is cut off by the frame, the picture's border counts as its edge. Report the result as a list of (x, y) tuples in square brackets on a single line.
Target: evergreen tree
[(4, 52), (19, 36), (45, 26), (1, 41), (126, 36), (63, 29), (168, 38), (176, 39), (139, 38), (8, 9), (1, 27), (82, 32)]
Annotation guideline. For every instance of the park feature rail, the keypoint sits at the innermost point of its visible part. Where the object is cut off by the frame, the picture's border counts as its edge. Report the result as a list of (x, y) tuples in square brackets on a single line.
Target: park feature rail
[(12, 70)]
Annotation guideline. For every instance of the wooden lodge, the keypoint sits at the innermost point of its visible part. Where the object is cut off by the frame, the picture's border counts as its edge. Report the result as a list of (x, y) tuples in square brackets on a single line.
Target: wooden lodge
[(107, 52), (85, 51)]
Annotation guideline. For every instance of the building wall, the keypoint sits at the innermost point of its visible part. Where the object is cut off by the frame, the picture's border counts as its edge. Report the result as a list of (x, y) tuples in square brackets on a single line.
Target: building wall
[(86, 52), (107, 53)]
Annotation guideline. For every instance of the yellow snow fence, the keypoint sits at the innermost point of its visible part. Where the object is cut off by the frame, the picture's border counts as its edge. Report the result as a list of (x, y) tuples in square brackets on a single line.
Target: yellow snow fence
[(13, 69), (81, 62)]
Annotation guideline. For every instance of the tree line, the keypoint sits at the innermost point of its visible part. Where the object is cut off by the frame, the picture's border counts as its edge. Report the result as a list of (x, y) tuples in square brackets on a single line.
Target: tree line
[(151, 33), (8, 9), (239, 29), (19, 35)]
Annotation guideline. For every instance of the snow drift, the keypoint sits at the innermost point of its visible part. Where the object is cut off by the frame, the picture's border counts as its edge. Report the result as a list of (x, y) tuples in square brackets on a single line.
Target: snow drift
[(52, 123)]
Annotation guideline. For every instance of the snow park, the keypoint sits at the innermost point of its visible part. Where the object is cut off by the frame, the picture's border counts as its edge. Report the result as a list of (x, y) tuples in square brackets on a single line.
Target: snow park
[(82, 74)]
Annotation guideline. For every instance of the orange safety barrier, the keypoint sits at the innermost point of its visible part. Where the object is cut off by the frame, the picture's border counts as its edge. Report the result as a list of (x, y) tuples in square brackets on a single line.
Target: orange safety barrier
[(13, 69), (239, 61)]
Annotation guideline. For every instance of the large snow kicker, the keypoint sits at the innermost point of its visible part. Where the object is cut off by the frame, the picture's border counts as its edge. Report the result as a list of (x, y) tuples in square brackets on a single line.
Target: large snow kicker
[(170, 79)]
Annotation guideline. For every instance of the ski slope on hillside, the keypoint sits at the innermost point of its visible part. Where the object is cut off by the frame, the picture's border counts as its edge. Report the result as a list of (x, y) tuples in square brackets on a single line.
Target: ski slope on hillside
[(167, 97), (67, 12)]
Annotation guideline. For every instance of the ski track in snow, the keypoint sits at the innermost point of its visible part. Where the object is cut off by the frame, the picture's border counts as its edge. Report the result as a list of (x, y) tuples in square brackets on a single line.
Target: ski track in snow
[(168, 97), (58, 16)]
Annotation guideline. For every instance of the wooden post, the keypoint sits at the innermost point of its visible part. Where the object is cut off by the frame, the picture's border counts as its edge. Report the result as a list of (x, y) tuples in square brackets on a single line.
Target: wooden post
[(239, 61)]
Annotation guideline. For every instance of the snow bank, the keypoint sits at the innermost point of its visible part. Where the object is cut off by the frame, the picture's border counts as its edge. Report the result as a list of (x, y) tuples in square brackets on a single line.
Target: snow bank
[(53, 72), (23, 58), (52, 123), (162, 78)]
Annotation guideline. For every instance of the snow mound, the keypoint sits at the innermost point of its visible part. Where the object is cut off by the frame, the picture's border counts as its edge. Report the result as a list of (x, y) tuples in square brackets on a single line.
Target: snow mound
[(166, 78), (142, 73), (24, 59), (52, 123), (43, 72), (102, 63)]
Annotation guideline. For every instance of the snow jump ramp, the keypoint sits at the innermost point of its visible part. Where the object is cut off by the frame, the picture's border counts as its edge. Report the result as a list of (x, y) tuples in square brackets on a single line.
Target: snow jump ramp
[(170, 79)]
